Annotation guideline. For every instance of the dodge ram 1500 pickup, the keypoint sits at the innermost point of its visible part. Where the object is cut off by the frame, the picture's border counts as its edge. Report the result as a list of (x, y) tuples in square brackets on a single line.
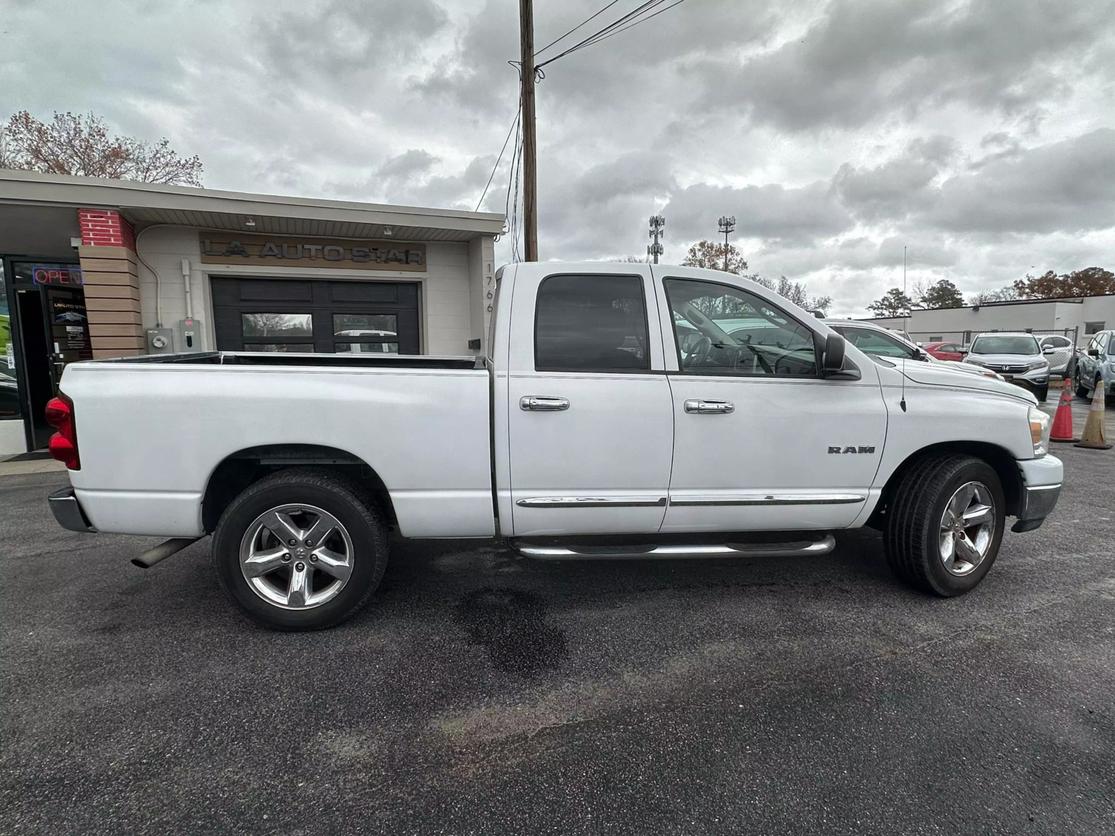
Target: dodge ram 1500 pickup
[(619, 411)]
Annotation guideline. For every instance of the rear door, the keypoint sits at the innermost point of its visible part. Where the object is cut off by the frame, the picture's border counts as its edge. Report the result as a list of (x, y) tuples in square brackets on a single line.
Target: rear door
[(761, 440), (590, 424)]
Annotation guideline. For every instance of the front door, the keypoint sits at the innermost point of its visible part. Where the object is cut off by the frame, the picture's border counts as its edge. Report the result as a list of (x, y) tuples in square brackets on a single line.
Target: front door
[(761, 440), (589, 416)]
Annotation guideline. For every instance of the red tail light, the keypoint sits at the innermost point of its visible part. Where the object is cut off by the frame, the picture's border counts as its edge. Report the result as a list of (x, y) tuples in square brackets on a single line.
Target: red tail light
[(63, 444)]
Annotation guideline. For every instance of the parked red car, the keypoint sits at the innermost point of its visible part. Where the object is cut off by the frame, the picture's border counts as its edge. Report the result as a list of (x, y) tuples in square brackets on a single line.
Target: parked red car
[(944, 351)]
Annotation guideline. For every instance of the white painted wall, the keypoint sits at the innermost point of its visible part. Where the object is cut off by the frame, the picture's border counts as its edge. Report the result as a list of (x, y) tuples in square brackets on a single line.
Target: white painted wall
[(1040, 317), (447, 287)]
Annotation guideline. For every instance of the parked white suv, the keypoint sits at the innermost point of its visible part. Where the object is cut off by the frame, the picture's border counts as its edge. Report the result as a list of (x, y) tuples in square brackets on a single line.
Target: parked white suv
[(1016, 357)]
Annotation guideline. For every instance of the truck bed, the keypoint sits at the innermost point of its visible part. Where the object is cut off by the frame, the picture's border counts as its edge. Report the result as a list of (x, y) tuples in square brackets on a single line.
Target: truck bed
[(153, 430)]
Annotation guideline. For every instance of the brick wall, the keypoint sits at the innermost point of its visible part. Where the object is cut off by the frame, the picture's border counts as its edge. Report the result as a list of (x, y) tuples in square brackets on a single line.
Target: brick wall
[(111, 283), (105, 228)]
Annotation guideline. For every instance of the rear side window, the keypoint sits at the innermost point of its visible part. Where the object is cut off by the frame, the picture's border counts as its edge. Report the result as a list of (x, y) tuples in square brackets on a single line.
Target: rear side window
[(591, 323)]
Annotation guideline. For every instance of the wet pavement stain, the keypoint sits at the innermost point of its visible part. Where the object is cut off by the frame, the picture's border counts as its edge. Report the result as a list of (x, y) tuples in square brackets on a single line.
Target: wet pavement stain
[(512, 625)]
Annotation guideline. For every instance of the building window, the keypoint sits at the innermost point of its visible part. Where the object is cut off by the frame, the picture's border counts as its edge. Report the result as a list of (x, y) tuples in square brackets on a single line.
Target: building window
[(1093, 327)]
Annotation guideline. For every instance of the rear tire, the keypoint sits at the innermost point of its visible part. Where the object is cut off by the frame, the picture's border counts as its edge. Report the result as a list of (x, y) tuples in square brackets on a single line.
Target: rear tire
[(336, 573), (918, 528)]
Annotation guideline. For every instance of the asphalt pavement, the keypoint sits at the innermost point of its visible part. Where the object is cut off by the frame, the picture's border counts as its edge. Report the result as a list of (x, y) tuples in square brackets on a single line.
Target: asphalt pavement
[(481, 693)]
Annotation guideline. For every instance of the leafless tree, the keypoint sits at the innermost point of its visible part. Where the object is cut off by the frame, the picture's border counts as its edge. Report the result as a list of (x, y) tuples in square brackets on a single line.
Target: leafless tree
[(76, 144)]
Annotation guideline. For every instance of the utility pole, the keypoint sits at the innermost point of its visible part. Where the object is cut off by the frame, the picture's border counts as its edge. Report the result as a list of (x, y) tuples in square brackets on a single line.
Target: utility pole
[(657, 225), (530, 167), (727, 226)]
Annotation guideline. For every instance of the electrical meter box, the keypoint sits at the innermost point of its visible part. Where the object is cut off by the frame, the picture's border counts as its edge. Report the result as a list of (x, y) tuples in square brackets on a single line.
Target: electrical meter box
[(160, 341), (189, 335)]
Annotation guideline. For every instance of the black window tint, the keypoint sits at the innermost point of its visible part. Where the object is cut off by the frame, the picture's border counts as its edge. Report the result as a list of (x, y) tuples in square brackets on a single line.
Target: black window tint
[(720, 329), (591, 323)]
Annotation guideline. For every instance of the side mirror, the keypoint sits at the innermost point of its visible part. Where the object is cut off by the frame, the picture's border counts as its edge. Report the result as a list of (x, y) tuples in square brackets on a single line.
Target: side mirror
[(1048, 350), (1093, 352), (833, 359)]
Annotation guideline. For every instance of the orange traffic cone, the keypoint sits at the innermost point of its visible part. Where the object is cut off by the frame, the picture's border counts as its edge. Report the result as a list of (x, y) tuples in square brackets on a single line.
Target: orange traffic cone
[(1062, 421), (1093, 437)]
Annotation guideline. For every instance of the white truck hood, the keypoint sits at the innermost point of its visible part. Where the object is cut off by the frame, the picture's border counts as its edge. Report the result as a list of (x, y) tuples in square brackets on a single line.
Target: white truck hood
[(939, 374)]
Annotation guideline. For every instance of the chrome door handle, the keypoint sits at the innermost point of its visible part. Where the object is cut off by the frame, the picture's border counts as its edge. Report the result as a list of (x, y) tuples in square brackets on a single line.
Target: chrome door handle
[(697, 407), (542, 403)]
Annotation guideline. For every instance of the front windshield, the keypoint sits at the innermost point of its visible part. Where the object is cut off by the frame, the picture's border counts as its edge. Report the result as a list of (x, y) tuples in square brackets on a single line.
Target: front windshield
[(876, 343), (1005, 345)]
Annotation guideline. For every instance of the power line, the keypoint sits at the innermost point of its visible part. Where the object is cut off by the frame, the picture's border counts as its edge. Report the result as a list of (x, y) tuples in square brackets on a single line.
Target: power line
[(636, 23), (575, 28), (621, 24), (495, 168), (620, 21)]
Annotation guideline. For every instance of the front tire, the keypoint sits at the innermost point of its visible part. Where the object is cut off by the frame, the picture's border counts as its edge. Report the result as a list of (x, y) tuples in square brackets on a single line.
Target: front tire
[(945, 524), (1081, 389), (1043, 394), (300, 550)]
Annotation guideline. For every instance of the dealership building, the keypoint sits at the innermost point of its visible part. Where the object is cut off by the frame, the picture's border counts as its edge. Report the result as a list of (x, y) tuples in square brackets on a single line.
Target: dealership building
[(1076, 318), (96, 268)]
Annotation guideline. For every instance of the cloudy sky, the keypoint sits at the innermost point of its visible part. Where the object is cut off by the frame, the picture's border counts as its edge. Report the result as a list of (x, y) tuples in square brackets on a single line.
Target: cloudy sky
[(979, 133)]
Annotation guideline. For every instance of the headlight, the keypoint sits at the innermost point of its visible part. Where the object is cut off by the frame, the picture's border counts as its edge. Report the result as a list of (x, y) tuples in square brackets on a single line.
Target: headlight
[(973, 360), (1037, 364), (1039, 431)]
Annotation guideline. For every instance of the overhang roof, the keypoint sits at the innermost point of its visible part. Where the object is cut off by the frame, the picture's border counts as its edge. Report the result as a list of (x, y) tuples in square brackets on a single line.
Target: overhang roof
[(145, 204)]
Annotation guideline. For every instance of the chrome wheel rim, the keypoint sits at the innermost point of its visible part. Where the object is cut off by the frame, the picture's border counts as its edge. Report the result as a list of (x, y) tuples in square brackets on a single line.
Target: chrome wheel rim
[(296, 556), (967, 528)]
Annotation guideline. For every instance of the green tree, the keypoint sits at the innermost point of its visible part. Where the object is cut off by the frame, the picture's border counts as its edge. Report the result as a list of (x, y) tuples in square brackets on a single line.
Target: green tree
[(941, 294), (893, 303), (70, 144), (711, 256), (1092, 281)]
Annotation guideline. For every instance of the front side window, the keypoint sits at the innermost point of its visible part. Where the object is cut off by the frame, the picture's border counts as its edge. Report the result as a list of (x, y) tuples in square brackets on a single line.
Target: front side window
[(591, 323), (1005, 345), (720, 329)]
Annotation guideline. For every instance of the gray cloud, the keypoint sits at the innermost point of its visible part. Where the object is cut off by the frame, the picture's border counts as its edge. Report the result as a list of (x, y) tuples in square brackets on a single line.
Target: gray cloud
[(1064, 186), (867, 58), (978, 133)]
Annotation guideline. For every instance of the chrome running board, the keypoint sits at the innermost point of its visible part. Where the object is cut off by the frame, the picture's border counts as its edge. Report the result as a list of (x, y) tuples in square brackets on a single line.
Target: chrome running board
[(790, 548)]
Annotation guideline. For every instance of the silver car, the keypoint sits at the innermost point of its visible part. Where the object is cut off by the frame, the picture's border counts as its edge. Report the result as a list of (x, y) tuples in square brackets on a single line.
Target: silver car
[(1095, 364), (1016, 357), (1063, 352)]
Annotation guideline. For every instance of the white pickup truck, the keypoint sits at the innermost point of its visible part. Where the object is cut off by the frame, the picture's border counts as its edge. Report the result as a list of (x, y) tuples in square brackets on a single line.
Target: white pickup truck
[(621, 411)]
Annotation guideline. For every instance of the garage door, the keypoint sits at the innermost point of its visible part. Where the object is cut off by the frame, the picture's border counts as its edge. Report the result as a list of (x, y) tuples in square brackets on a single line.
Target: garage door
[(283, 315)]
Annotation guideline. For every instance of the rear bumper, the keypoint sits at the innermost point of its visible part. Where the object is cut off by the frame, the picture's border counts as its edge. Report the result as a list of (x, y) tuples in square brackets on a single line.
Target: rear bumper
[(67, 510), (1041, 488)]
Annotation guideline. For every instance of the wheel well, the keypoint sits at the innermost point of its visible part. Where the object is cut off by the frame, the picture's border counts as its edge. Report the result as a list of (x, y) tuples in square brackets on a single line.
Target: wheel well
[(999, 458), (245, 467)]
